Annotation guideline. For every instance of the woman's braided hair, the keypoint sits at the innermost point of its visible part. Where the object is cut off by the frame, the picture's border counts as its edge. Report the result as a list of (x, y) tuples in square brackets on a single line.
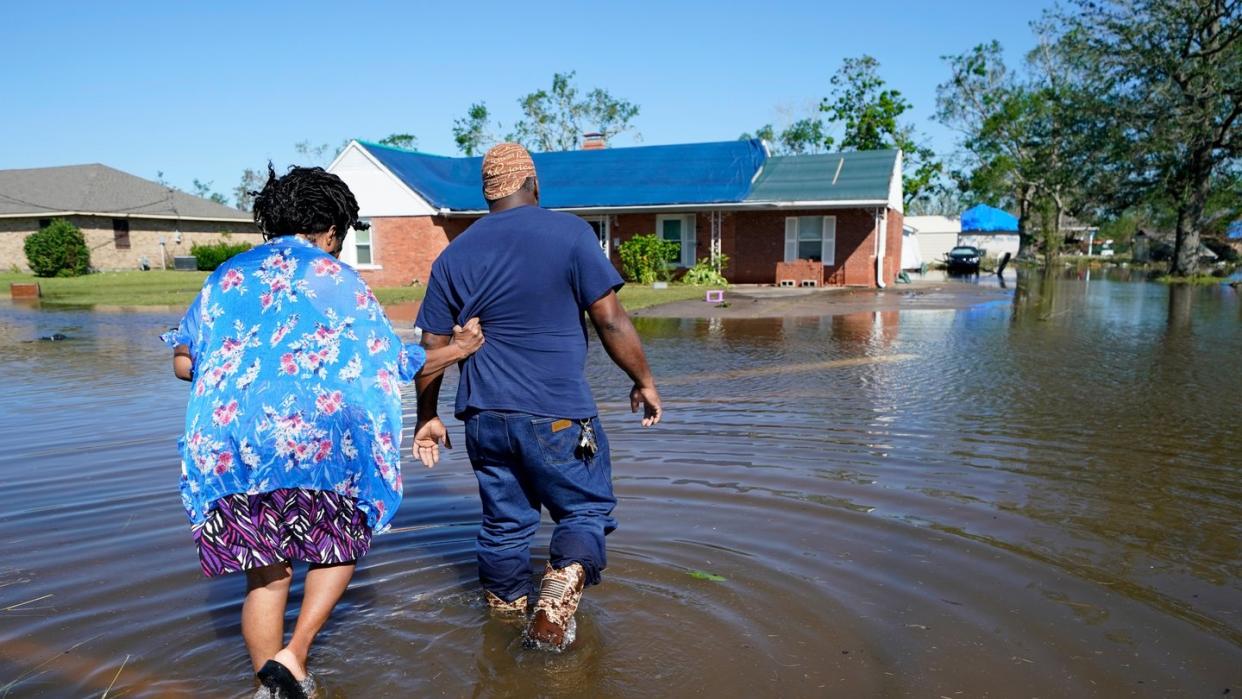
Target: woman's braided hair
[(305, 200)]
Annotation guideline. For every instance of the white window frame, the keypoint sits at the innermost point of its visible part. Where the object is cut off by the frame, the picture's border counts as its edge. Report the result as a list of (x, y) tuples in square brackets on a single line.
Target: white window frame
[(827, 239), (349, 249), (605, 230), (689, 236)]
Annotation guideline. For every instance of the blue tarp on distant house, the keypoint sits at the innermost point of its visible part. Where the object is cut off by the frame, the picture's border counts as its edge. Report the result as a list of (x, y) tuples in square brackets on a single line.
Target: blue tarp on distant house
[(1234, 231), (988, 219), (695, 173)]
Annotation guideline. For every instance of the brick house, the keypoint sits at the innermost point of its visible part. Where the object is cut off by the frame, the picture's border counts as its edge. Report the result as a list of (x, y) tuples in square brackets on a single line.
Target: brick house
[(123, 217), (829, 219)]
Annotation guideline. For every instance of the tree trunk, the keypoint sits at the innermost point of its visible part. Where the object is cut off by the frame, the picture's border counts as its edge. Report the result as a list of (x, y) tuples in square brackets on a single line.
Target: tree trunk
[(1025, 253), (1189, 218)]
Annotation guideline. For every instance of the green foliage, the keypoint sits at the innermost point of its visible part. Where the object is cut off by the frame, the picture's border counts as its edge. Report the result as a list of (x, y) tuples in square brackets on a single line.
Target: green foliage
[(1163, 79), (705, 273), (209, 256), (472, 132), (1026, 138), (552, 120), (59, 250), (870, 116), (251, 182), (320, 155), (204, 190), (802, 137), (644, 258), (400, 140)]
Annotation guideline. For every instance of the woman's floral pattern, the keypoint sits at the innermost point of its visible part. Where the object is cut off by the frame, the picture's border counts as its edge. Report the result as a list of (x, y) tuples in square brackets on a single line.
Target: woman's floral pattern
[(296, 386)]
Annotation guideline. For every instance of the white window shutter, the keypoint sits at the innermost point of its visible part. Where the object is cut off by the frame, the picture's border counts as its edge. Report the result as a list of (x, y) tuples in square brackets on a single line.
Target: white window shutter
[(689, 239), (791, 238), (829, 249)]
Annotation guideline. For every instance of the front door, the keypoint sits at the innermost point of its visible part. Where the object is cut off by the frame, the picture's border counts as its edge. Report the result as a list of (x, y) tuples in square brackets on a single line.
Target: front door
[(599, 224)]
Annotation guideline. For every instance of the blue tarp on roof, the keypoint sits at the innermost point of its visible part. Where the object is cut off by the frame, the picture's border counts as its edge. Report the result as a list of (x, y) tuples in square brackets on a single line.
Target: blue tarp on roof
[(695, 173), (987, 219), (1234, 231)]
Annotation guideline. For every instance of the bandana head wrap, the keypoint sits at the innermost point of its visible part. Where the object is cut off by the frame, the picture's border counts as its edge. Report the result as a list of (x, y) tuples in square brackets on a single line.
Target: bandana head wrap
[(505, 168)]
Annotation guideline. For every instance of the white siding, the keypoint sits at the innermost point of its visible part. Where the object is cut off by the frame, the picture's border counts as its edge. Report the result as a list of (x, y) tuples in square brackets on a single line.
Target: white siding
[(378, 191), (936, 235), (994, 244)]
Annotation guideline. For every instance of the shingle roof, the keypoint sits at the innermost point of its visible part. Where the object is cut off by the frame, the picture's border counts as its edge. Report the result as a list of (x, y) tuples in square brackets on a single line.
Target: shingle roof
[(691, 173), (853, 176), (99, 189)]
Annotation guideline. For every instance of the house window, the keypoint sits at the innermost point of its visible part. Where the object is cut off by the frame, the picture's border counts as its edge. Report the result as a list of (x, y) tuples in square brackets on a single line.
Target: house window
[(362, 246), (678, 229), (811, 238), (44, 223), (120, 233), (599, 224)]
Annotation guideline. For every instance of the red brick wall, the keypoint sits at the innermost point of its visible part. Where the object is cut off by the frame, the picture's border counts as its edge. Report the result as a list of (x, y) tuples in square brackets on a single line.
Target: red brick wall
[(406, 246), (754, 242), (892, 254), (758, 243)]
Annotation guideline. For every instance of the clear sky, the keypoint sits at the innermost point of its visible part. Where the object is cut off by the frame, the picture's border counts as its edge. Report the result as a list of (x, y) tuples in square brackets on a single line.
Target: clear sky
[(205, 89)]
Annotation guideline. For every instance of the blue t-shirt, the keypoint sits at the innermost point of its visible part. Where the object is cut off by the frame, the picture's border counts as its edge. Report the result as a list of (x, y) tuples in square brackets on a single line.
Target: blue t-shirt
[(528, 274)]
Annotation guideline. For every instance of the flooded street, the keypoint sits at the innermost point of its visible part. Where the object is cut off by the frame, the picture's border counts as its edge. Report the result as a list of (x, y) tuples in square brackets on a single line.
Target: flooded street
[(1036, 496)]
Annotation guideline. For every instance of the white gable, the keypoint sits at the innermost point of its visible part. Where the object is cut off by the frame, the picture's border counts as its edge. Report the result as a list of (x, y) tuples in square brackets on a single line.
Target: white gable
[(896, 187), (378, 191)]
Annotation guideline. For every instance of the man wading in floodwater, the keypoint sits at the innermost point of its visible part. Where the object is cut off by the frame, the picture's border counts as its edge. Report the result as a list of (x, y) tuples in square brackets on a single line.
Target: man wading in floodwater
[(532, 433)]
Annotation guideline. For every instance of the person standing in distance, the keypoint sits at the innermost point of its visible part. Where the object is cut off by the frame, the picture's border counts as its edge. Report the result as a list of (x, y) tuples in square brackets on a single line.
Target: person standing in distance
[(532, 430)]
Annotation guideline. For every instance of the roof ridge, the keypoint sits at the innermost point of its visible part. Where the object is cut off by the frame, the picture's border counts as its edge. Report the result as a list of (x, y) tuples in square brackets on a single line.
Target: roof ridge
[(367, 143)]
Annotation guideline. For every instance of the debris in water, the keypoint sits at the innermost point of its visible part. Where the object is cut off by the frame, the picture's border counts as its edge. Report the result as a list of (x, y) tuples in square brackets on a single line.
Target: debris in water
[(22, 604), (114, 677), (704, 575)]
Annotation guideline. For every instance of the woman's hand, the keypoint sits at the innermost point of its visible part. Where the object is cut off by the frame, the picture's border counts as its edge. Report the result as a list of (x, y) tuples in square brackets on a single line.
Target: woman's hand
[(427, 438), (183, 363), (468, 338)]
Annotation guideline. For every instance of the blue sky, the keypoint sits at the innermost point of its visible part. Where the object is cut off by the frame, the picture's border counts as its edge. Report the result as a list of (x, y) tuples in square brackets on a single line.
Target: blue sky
[(203, 90)]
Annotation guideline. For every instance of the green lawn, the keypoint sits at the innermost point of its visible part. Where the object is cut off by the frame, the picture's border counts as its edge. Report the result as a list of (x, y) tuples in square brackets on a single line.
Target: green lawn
[(160, 288), (154, 288), (634, 297)]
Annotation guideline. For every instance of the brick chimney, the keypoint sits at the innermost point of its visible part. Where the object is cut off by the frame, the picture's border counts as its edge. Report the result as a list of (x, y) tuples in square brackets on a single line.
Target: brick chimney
[(593, 141)]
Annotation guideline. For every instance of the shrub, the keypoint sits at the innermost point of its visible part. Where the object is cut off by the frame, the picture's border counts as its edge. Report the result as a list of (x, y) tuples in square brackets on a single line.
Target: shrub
[(644, 258), (209, 256), (704, 273), (59, 250)]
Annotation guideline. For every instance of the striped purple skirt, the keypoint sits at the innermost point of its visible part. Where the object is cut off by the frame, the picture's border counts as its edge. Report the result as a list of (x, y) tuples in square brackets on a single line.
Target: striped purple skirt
[(251, 531)]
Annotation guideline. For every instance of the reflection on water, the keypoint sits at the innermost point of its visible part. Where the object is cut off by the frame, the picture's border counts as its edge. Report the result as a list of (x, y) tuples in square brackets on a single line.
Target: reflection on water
[(1038, 497)]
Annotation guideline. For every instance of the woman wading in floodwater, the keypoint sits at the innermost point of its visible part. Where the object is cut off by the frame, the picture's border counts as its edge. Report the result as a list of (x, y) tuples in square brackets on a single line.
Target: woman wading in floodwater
[(293, 430)]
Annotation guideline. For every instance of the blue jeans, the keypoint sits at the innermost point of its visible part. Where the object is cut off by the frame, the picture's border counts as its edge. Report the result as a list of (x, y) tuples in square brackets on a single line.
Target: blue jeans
[(523, 464)]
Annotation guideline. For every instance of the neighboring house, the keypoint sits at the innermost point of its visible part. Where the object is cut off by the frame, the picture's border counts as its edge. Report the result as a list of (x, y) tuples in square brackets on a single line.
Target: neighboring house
[(1233, 236), (123, 217), (731, 197), (992, 230), (935, 237), (1157, 246)]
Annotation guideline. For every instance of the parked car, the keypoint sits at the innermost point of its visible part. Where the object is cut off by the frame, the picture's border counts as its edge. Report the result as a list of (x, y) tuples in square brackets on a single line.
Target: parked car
[(963, 259)]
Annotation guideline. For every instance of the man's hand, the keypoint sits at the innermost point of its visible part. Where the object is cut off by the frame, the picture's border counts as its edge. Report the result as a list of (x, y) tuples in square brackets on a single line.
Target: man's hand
[(649, 398), (427, 438)]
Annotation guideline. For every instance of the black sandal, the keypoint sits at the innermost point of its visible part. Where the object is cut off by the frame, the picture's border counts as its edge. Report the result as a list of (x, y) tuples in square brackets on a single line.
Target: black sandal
[(280, 681)]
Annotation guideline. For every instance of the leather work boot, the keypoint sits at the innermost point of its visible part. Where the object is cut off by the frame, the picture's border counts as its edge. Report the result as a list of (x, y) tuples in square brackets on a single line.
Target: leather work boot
[(552, 624), (500, 607)]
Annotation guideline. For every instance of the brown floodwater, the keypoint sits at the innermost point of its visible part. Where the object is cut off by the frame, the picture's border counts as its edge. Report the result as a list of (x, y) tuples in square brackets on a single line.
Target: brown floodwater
[(1034, 497)]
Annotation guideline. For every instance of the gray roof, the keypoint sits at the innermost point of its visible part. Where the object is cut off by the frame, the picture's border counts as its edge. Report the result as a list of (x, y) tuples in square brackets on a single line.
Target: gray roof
[(99, 189), (853, 176)]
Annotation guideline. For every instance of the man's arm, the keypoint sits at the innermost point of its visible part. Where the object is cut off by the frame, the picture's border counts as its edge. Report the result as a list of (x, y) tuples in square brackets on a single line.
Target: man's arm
[(621, 342)]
